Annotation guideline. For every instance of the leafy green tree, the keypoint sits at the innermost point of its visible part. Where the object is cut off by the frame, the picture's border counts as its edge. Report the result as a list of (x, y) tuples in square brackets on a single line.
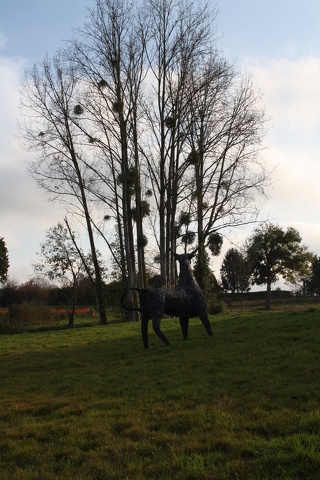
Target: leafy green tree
[(60, 259), (202, 270), (235, 272), (8, 294), (207, 281), (183, 231), (4, 261), (311, 285), (277, 253)]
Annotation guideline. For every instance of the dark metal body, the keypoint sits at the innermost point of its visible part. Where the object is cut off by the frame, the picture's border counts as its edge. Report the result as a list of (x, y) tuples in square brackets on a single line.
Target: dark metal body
[(185, 301)]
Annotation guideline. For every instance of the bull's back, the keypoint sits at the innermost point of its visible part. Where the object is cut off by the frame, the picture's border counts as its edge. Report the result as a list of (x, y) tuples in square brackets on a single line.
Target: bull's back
[(179, 302)]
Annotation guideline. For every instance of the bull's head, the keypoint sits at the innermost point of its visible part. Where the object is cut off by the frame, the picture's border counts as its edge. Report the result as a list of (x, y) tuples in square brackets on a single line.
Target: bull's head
[(185, 256)]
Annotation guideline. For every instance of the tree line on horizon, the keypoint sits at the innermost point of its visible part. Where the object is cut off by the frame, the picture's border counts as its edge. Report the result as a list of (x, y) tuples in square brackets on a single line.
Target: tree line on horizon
[(147, 136), (268, 254)]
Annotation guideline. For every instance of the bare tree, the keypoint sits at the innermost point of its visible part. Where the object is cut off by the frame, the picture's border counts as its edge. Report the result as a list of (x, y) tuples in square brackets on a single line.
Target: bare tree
[(226, 128), (60, 260), (110, 56), (49, 102), (144, 105), (181, 36)]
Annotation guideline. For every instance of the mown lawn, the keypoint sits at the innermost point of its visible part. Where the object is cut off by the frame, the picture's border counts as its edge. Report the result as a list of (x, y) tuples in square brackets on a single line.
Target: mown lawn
[(91, 403)]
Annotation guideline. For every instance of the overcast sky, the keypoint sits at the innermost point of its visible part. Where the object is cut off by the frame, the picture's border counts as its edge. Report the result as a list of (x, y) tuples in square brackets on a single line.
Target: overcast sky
[(277, 40)]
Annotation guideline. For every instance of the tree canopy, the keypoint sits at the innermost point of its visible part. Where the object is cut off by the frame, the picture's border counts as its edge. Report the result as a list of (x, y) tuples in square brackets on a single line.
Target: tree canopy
[(276, 253), (235, 271), (61, 259), (311, 284), (4, 261)]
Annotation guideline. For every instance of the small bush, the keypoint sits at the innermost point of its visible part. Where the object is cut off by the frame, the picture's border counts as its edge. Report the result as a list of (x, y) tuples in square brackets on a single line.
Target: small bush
[(5, 326), (312, 310), (216, 306)]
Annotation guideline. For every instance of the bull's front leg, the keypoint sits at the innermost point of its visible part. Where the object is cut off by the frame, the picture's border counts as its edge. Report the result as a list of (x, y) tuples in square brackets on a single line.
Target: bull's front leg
[(184, 323), (144, 328)]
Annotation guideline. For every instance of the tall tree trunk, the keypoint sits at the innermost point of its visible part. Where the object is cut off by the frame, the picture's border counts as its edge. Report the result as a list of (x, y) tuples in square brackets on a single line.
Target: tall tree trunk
[(73, 305), (168, 227), (139, 213), (200, 233), (97, 271), (98, 280), (128, 232), (268, 295), (126, 200), (173, 210), (162, 201)]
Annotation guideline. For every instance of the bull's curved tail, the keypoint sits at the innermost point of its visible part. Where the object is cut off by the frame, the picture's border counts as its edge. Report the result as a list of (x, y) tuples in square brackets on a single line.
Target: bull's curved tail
[(123, 297)]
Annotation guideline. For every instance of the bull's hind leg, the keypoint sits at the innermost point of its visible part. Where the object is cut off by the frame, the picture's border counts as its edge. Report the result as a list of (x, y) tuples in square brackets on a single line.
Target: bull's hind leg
[(156, 327), (144, 329), (184, 323), (205, 320)]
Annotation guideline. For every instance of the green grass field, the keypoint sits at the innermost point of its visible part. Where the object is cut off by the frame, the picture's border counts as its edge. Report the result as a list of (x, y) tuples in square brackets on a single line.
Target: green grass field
[(91, 403)]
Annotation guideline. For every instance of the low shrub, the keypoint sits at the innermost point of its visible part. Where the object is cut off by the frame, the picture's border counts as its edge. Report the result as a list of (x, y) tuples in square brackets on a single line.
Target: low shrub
[(216, 306), (6, 327)]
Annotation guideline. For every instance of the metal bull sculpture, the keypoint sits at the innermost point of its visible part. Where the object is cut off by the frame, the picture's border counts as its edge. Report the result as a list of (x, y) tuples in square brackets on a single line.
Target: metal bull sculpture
[(185, 301)]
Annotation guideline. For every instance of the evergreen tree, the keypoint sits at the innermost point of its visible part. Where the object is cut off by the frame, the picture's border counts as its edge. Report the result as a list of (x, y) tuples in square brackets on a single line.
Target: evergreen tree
[(4, 261), (235, 272), (311, 284)]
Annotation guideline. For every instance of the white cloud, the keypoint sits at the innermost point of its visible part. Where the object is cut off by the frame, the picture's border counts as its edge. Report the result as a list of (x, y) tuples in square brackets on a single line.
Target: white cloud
[(11, 71), (295, 193), (291, 93), (310, 234), (24, 211), (291, 97)]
